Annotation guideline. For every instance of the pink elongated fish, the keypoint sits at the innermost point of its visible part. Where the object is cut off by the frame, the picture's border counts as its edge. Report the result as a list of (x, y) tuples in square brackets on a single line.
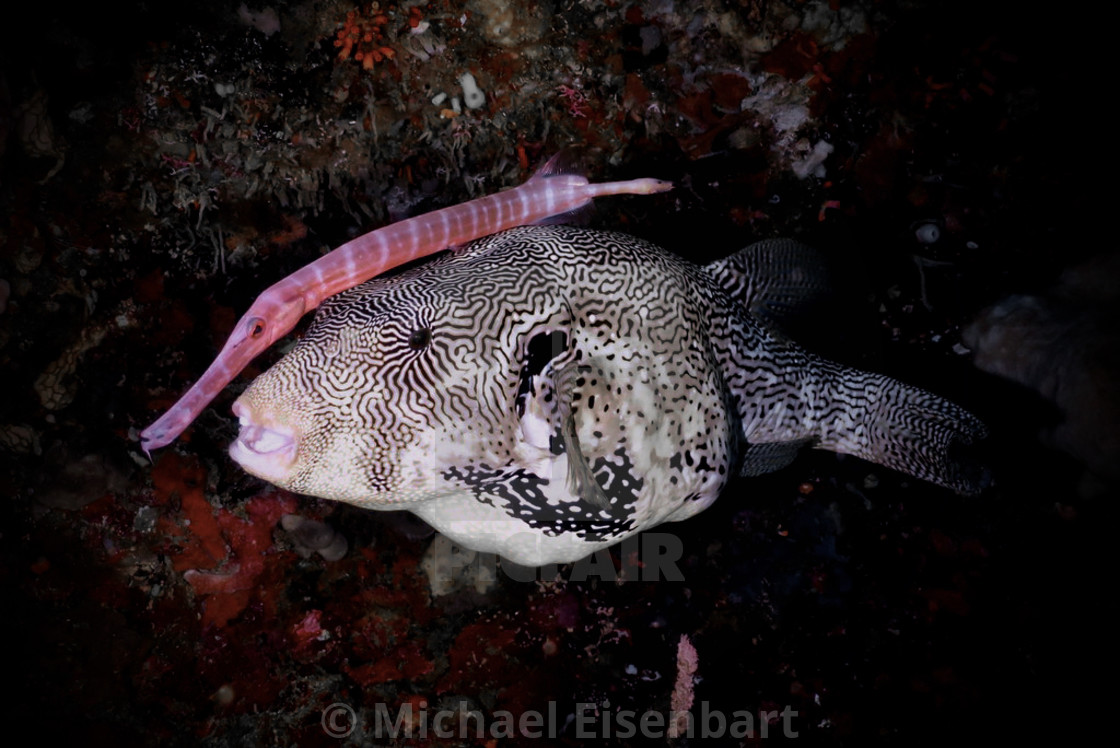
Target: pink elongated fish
[(278, 309)]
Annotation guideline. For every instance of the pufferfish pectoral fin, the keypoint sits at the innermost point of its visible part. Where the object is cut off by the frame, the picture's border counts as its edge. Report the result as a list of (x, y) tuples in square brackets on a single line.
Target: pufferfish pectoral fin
[(581, 481), (574, 387), (547, 409)]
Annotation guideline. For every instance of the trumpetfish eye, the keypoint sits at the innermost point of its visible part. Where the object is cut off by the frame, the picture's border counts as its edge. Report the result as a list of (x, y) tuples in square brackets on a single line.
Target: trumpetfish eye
[(256, 327)]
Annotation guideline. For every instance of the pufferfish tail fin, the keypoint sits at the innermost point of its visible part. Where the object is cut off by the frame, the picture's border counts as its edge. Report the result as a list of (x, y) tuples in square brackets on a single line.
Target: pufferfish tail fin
[(901, 427)]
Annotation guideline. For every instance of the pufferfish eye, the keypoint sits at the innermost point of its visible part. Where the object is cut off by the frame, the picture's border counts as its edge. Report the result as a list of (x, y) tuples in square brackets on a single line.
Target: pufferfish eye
[(420, 338)]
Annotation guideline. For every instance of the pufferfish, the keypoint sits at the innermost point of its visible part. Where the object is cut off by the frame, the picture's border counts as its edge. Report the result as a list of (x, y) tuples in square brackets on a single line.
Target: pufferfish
[(549, 391)]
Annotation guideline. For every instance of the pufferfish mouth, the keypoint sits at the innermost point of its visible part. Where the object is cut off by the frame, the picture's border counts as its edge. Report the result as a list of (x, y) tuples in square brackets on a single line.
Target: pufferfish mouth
[(265, 451)]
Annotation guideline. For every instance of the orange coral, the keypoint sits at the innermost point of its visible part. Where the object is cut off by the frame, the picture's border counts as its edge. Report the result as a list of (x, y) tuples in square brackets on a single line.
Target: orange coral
[(222, 555), (362, 35)]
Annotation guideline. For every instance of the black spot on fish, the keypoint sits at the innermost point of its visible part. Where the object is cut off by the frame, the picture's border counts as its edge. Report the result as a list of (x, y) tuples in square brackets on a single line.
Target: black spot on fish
[(542, 348), (520, 494)]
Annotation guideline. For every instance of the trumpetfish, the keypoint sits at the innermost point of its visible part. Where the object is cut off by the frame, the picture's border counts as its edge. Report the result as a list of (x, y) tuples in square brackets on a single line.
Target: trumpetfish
[(547, 195)]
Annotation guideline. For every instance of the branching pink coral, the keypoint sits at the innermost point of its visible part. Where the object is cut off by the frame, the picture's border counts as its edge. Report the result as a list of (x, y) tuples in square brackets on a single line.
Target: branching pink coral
[(575, 100), (680, 702)]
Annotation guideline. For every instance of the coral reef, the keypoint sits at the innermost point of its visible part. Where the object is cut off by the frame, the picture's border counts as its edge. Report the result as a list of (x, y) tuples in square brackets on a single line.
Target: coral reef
[(162, 163)]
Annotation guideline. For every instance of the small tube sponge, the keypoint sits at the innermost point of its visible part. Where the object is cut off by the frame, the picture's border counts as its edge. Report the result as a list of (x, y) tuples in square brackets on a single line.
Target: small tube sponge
[(472, 94)]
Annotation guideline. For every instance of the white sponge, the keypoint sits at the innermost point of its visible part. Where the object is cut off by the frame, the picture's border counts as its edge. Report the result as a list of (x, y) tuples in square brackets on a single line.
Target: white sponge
[(472, 94)]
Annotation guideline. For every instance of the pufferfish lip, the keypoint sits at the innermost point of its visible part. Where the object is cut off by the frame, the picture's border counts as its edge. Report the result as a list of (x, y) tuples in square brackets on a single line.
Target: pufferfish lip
[(265, 451)]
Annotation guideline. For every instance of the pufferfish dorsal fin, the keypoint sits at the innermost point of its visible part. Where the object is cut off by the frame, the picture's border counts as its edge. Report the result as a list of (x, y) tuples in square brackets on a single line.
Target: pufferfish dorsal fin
[(777, 280)]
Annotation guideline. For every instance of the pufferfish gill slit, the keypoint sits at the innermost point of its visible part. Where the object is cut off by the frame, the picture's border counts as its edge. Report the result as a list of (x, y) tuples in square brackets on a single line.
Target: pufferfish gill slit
[(550, 390)]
